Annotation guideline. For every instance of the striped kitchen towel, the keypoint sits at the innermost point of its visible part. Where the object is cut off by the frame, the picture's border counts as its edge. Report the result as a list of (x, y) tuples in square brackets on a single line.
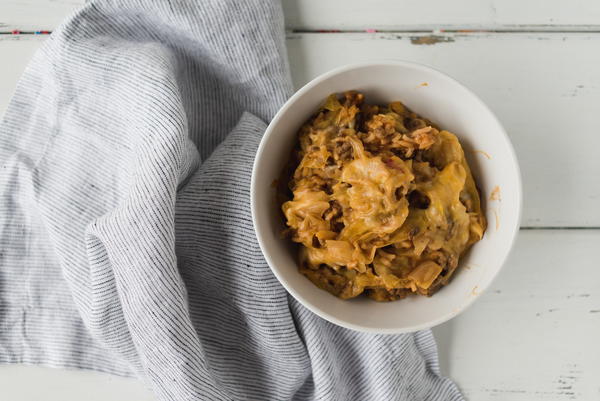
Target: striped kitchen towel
[(127, 244)]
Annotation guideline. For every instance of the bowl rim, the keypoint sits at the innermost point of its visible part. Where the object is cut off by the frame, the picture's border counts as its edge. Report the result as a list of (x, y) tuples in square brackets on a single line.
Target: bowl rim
[(258, 227)]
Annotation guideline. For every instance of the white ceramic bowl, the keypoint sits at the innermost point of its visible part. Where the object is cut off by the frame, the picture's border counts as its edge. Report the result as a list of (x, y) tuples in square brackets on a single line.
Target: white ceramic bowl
[(453, 107)]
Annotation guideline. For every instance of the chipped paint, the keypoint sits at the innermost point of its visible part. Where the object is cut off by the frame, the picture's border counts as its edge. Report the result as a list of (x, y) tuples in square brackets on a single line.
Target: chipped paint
[(430, 39), (17, 38), (475, 291), (565, 384), (578, 296), (495, 194), (574, 92), (501, 390), (293, 36)]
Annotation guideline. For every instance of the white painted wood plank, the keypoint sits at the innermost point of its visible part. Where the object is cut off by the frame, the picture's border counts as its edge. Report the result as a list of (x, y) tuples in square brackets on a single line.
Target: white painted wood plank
[(31, 15), (34, 15), (34, 383), (439, 14), (486, 359), (544, 87), (531, 337), (534, 335)]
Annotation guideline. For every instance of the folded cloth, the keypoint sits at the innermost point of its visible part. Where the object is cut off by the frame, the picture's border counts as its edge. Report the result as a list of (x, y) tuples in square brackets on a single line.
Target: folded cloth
[(127, 243)]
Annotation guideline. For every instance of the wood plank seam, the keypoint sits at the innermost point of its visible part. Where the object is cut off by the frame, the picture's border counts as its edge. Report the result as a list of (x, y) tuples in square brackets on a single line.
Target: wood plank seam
[(592, 29), (465, 29)]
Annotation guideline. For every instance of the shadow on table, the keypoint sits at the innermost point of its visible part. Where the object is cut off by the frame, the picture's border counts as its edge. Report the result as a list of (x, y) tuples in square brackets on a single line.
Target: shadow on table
[(444, 337)]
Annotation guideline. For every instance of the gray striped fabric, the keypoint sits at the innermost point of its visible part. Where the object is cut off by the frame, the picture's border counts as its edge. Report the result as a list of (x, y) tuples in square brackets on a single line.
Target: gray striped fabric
[(127, 244)]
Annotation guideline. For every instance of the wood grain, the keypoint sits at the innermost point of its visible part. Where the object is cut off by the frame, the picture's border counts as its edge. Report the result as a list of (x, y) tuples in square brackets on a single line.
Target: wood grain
[(544, 87), (533, 335)]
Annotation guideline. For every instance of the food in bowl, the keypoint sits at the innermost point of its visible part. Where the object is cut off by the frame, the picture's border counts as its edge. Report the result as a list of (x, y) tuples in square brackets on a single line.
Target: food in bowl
[(381, 200)]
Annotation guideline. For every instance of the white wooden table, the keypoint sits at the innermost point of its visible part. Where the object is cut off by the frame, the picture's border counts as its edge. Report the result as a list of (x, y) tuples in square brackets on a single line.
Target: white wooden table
[(536, 63)]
